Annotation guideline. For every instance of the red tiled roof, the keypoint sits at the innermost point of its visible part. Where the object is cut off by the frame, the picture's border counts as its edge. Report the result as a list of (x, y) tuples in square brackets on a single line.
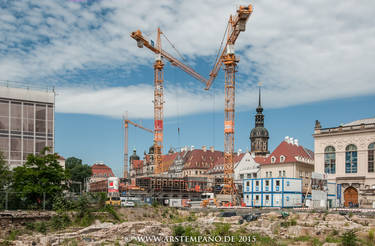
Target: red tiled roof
[(260, 159), (167, 161), (200, 159), (101, 169), (236, 159), (220, 163), (290, 151)]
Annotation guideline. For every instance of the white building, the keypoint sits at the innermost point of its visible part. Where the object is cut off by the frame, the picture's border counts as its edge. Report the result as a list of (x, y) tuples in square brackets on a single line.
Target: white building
[(346, 154), (272, 192)]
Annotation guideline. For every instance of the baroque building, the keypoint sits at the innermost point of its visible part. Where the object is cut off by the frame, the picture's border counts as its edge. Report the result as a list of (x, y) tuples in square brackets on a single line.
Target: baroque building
[(259, 135), (346, 155)]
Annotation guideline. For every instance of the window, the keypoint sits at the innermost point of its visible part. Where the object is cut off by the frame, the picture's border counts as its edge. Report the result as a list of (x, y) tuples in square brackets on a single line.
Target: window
[(267, 197), (249, 175), (257, 183), (284, 174), (267, 182), (329, 160), (241, 176), (247, 183), (371, 153), (257, 197), (273, 159), (279, 173), (270, 174), (266, 174), (282, 158), (351, 159), (277, 182), (254, 175), (300, 174)]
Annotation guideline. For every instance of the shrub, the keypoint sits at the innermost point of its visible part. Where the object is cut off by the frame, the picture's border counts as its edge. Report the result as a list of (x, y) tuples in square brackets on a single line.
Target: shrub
[(112, 211), (41, 227), (221, 229), (349, 238), (60, 221), (371, 235)]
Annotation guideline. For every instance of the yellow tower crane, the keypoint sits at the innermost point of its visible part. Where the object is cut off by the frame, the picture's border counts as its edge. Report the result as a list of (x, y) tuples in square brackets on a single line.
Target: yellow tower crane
[(159, 88), (227, 57)]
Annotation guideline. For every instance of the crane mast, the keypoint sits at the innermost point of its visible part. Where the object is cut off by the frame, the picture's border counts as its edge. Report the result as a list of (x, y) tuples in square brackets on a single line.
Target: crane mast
[(228, 58), (159, 88), (126, 145), (158, 107)]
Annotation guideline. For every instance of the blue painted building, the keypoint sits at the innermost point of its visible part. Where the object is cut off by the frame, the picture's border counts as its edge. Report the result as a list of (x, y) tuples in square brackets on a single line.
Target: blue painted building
[(273, 192)]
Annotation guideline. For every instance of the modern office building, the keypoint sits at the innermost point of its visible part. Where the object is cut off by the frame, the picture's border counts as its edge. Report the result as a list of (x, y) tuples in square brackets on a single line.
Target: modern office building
[(26, 122)]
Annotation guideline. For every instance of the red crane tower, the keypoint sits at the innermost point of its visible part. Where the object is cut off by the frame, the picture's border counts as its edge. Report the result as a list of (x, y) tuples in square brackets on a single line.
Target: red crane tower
[(158, 89)]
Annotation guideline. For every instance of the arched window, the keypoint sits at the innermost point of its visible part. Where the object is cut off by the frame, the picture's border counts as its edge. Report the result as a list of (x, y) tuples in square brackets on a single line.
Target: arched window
[(351, 159), (282, 158), (273, 159), (329, 160), (371, 153)]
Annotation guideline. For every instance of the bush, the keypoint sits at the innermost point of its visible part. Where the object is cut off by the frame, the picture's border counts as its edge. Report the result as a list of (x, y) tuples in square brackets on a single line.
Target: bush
[(349, 238), (41, 227), (112, 211), (61, 204), (221, 229), (60, 221), (371, 235)]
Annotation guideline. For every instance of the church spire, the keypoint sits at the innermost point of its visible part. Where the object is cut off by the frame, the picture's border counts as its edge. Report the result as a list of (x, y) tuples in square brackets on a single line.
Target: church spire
[(259, 104), (259, 135), (259, 117)]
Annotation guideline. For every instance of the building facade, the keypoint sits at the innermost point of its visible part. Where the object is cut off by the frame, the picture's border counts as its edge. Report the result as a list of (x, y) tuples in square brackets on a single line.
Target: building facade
[(289, 160), (272, 192), (26, 123), (346, 155), (100, 171)]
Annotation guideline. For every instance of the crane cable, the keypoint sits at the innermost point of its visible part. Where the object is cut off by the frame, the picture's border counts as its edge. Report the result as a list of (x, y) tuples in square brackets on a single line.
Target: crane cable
[(221, 44), (174, 47)]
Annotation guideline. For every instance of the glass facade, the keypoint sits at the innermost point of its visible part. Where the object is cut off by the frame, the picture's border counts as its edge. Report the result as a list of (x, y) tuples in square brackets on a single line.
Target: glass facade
[(25, 128), (351, 159)]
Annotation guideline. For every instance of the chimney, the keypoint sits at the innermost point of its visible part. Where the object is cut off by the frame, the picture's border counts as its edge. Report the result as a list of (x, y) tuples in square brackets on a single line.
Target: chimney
[(286, 139), (204, 148), (192, 148), (212, 149), (296, 142), (291, 141)]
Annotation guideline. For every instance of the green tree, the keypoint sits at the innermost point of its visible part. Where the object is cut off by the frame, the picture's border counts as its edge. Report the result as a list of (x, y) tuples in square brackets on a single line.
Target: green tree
[(5, 174), (41, 174), (77, 171)]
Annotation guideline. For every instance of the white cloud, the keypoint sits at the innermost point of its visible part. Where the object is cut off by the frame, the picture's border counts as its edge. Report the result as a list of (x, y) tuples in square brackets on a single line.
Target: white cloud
[(302, 51), (135, 99)]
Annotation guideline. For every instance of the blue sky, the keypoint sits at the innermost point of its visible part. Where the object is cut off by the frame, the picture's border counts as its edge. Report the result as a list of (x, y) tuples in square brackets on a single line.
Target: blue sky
[(314, 58)]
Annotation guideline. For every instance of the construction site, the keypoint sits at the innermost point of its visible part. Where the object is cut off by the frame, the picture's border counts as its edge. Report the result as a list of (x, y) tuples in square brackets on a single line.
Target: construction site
[(157, 182)]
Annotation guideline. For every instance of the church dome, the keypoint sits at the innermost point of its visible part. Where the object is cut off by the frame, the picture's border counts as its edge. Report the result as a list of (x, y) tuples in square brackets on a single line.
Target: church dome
[(151, 150), (259, 132), (134, 156)]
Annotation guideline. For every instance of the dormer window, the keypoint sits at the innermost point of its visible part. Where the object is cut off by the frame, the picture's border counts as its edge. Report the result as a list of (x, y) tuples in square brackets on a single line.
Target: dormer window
[(273, 159), (282, 158)]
